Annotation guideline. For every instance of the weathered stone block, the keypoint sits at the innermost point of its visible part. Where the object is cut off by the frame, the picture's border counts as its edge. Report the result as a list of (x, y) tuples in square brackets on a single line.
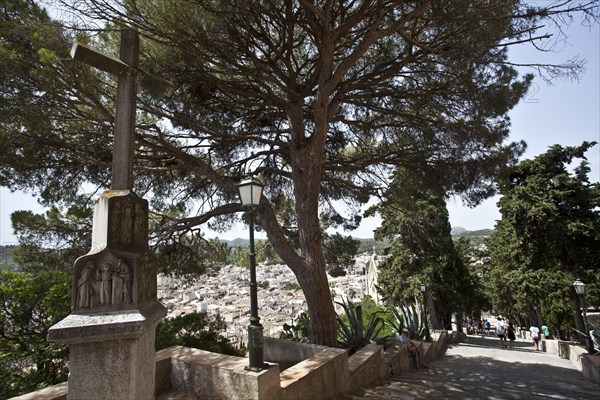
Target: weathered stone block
[(111, 354), (287, 353), (206, 375), (322, 376), (366, 365)]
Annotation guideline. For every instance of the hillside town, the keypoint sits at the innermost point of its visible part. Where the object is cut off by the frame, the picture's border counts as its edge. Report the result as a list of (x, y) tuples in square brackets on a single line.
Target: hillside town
[(280, 299)]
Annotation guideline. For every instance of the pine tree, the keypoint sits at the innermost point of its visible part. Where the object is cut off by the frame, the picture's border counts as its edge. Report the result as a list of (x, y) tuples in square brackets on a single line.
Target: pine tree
[(320, 100)]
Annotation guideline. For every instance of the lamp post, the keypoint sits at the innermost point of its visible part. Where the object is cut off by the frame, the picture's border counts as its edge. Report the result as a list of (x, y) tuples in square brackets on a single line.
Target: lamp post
[(580, 290), (427, 335), (250, 190)]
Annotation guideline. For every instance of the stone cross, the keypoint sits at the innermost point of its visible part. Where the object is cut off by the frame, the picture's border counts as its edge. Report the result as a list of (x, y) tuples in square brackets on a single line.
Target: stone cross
[(126, 69), (111, 328)]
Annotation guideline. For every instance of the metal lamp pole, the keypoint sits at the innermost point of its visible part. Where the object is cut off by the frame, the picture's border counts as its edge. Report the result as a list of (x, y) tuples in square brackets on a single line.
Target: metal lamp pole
[(250, 190), (427, 335), (580, 290)]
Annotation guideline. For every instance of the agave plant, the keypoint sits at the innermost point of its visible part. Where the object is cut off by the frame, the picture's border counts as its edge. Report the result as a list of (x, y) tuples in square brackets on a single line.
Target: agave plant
[(396, 323), (355, 334), (410, 318)]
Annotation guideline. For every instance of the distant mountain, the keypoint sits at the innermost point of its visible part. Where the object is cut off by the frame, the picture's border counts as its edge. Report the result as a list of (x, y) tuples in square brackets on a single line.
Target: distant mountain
[(367, 244), (457, 230), (236, 242)]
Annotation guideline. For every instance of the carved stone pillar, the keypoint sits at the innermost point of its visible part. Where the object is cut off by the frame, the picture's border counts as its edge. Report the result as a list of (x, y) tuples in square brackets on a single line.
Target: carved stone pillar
[(114, 315)]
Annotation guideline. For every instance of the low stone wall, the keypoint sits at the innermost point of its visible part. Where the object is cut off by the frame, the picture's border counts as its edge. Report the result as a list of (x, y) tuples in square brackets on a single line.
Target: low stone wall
[(398, 360), (589, 365), (366, 366), (56, 392), (287, 353), (455, 337), (321, 376), (206, 375), (329, 372), (440, 345)]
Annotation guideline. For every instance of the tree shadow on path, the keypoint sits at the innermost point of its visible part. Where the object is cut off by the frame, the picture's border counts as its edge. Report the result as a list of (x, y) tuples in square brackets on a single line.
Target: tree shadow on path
[(480, 369)]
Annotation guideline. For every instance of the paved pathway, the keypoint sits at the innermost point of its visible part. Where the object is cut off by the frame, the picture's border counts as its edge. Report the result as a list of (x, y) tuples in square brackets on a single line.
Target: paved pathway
[(480, 369)]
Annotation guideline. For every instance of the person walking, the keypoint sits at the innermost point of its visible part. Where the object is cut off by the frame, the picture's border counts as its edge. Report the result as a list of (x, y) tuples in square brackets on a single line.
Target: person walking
[(486, 326), (501, 332), (535, 336), (511, 334), (546, 331)]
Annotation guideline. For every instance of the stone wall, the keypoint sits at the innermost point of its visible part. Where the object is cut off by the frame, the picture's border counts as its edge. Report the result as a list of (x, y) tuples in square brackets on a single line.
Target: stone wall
[(206, 375), (56, 392), (287, 353), (398, 360), (325, 374), (321, 376), (589, 365), (367, 365)]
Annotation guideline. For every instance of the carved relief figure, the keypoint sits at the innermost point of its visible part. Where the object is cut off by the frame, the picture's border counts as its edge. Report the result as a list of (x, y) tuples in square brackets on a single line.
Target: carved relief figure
[(127, 224), (115, 225), (84, 285), (125, 275), (147, 281), (140, 223), (117, 285), (105, 285)]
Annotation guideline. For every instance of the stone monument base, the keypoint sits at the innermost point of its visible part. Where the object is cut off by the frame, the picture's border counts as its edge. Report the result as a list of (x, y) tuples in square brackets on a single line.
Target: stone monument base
[(112, 354)]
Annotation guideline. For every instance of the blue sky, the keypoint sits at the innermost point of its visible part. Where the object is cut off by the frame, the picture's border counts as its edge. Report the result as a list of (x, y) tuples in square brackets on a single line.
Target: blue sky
[(565, 113)]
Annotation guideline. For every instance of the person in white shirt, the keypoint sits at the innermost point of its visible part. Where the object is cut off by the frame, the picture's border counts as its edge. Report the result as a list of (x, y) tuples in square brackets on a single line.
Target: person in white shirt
[(500, 332), (535, 336)]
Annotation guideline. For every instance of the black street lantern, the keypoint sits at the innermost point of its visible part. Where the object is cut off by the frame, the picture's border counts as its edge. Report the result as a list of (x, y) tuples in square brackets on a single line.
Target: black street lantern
[(250, 191), (580, 290), (579, 287), (423, 289)]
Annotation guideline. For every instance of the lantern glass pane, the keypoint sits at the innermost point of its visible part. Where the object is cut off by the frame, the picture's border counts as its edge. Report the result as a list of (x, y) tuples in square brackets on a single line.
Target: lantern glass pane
[(250, 190), (579, 287)]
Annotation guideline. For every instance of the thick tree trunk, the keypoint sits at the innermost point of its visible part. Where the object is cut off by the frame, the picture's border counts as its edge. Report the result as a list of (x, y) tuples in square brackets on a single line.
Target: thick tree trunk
[(307, 156), (435, 323), (458, 321), (323, 325), (578, 313), (312, 277)]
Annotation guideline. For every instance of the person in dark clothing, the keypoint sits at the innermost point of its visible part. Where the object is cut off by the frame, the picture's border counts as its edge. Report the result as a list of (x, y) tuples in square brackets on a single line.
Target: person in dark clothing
[(511, 334)]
